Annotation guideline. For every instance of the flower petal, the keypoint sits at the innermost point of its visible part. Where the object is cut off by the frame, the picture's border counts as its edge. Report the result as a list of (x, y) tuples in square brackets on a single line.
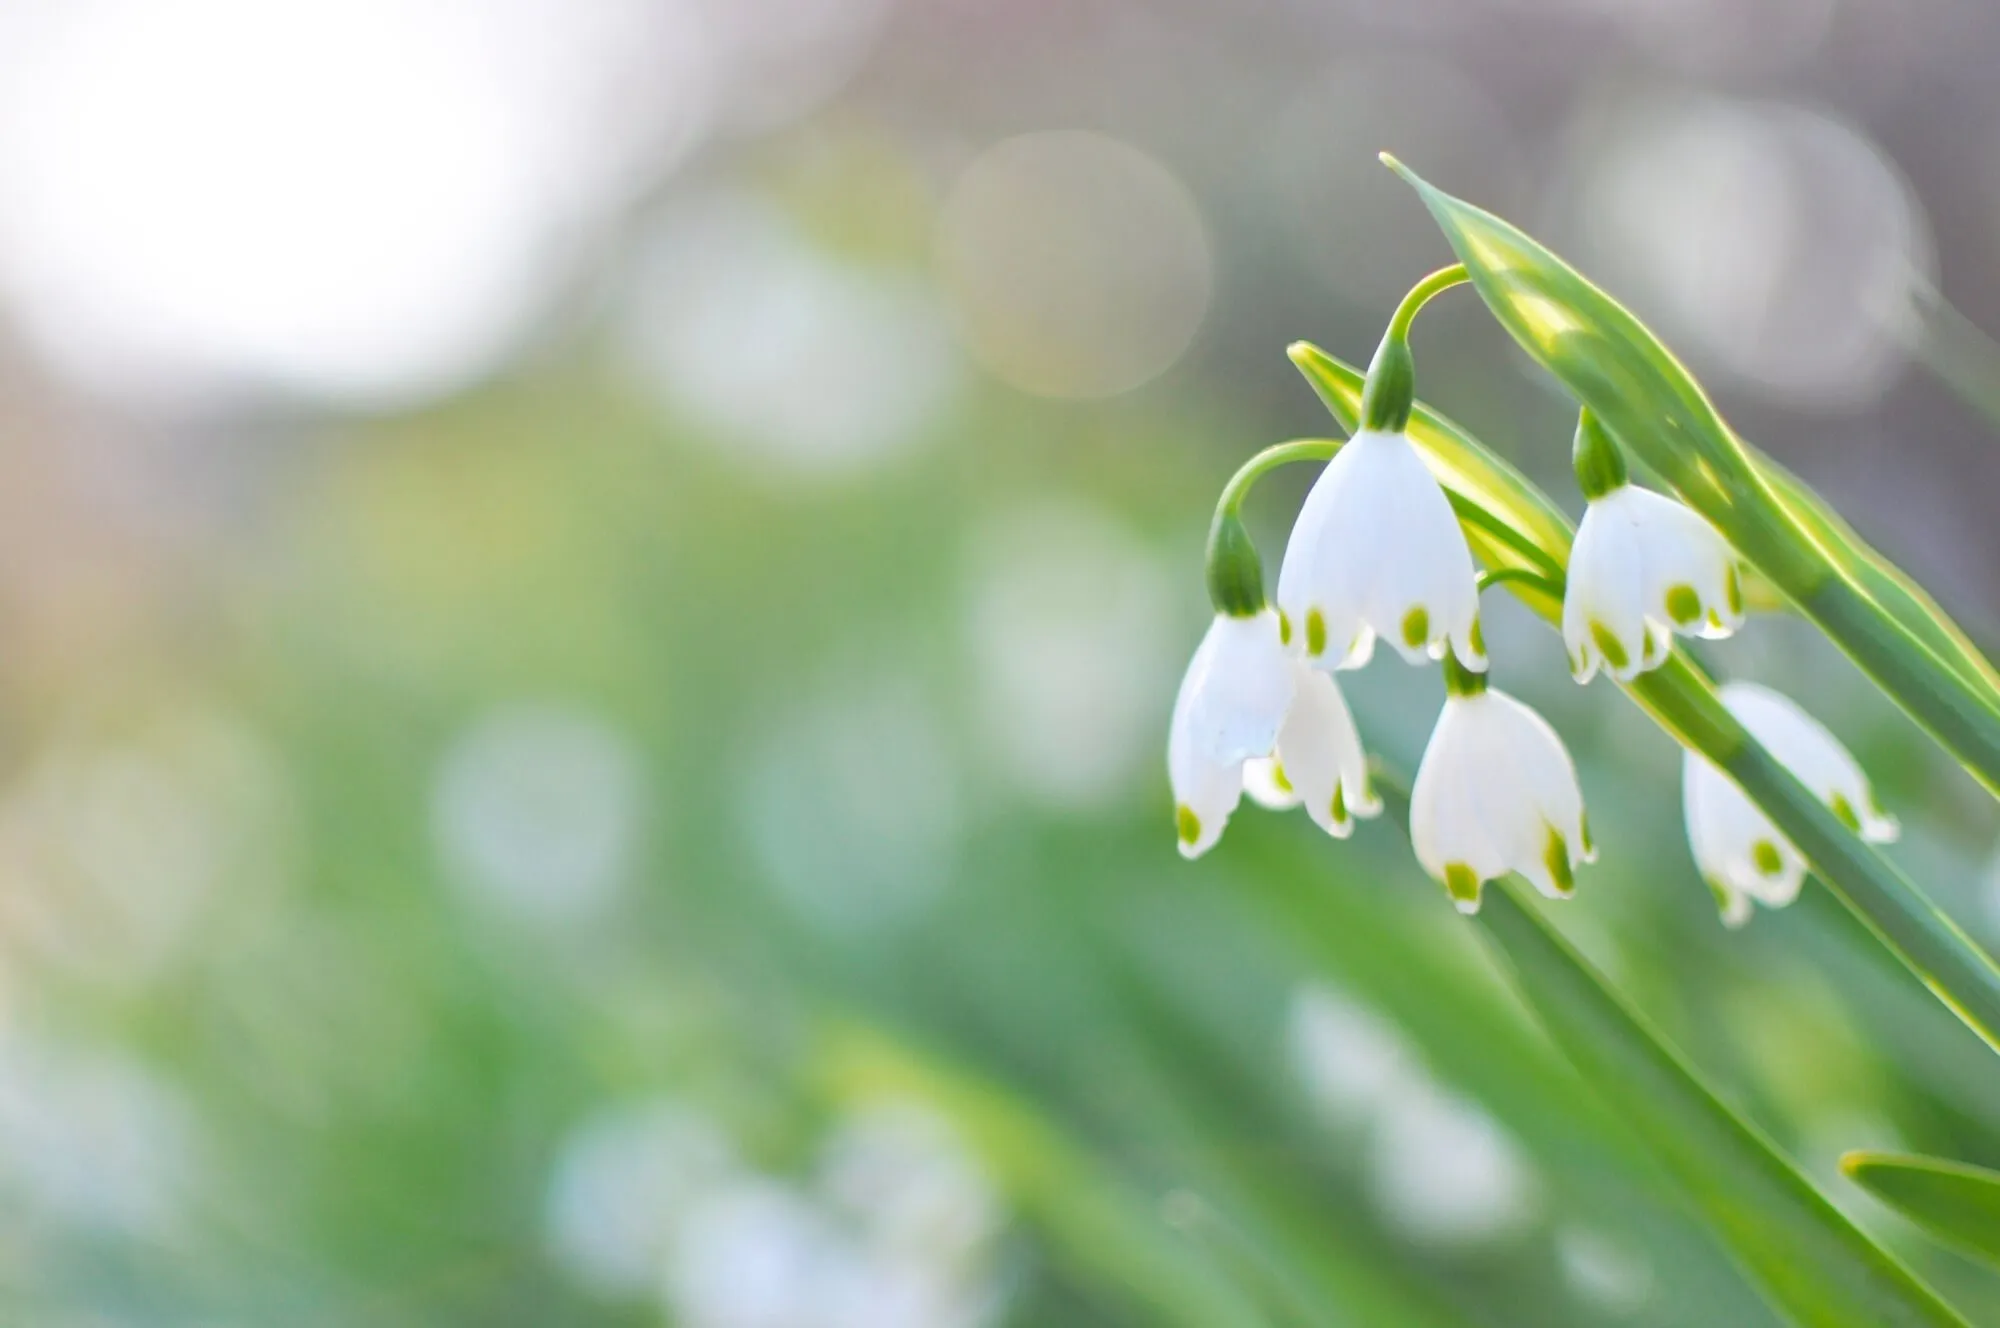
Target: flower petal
[(1323, 757)]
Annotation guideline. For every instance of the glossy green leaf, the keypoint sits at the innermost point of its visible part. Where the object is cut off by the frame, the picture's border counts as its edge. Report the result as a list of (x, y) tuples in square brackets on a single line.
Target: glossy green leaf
[(1882, 581), (1682, 700), (1610, 362), (1954, 1201)]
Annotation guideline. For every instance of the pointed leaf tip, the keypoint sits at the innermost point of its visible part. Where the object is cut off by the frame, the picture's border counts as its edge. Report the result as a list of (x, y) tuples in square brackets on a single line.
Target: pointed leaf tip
[(1954, 1201)]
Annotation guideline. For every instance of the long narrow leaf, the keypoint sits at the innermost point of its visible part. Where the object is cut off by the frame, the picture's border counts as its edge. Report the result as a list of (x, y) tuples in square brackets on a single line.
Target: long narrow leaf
[(1813, 1263), (1612, 363), (1810, 1261), (1956, 1202), (1112, 1239)]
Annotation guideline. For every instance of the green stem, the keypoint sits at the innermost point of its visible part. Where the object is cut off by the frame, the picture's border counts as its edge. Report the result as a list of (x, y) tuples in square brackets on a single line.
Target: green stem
[(1230, 502), (1947, 961), (1812, 1264), (1500, 576), (1815, 1266), (1421, 294), (1909, 671)]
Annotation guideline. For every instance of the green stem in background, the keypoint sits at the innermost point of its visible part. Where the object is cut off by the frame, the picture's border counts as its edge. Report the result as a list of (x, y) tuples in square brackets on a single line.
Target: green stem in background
[(1956, 351), (1521, 576), (1810, 1262), (1683, 701), (1611, 363)]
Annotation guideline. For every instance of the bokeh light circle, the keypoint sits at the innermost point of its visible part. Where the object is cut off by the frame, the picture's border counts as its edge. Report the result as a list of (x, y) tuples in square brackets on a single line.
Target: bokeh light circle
[(1077, 265), (1770, 243)]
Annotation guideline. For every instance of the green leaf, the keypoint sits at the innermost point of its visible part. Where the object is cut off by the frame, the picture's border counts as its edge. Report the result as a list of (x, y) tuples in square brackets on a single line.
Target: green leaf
[(1805, 1256), (1954, 1201), (1882, 581), (1610, 362), (1113, 1239)]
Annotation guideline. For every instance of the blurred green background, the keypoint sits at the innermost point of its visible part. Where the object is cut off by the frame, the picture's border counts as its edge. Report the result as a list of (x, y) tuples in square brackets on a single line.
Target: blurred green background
[(589, 594)]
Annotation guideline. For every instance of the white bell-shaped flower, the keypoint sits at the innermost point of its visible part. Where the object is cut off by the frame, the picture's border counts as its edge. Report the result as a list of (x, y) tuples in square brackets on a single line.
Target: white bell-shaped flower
[(1233, 699), (1741, 855), (1496, 793), (1377, 552), (1251, 717), (1643, 567), (1319, 761)]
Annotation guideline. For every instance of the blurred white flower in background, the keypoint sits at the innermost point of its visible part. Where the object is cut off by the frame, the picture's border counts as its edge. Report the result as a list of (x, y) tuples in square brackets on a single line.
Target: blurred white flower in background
[(1352, 1061), (1770, 242), (93, 1139), (1605, 1273), (115, 851), (538, 812), (1070, 642), (1440, 1168), (784, 356), (758, 1255), (899, 1172), (625, 1181), (896, 1229), (1445, 1172)]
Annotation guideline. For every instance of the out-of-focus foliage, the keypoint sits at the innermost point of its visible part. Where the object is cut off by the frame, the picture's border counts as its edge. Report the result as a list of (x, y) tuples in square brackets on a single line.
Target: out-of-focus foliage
[(640, 802)]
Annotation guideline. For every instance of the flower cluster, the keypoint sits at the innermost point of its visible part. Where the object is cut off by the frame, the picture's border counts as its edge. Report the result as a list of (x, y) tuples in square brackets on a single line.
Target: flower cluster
[(1378, 553)]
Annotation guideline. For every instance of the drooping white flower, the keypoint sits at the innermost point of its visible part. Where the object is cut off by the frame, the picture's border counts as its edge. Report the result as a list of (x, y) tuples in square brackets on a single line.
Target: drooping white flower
[(1741, 855), (1496, 793), (1232, 701), (1377, 552), (1217, 747), (1644, 567)]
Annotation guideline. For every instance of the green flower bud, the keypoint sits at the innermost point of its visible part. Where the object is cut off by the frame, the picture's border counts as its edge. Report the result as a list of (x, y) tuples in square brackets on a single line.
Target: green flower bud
[(1235, 574), (1600, 465), (1391, 387)]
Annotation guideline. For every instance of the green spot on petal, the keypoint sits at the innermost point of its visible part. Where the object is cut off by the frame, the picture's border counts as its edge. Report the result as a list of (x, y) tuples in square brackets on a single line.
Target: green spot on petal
[(1724, 901), (1279, 778), (1608, 646), (1416, 627), (1478, 636), (1845, 811), (1284, 629), (1555, 856), (1683, 605), (1187, 823), (1315, 632), (1462, 884), (1732, 590), (1583, 824), (1765, 854), (1339, 807)]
